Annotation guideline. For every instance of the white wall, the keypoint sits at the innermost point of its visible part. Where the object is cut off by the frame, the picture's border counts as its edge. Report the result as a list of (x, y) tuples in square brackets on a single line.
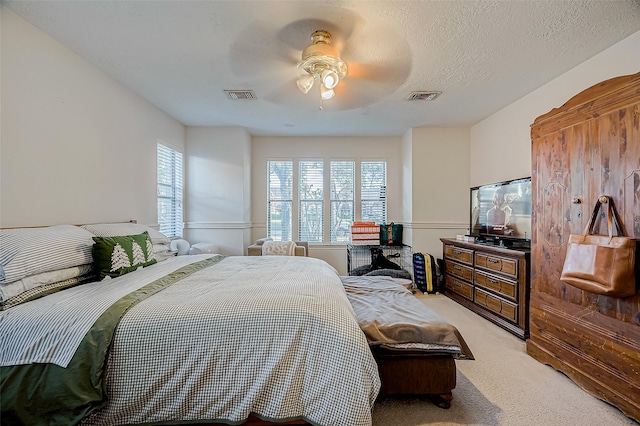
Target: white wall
[(501, 144), (218, 204), (75, 146), (363, 148), (439, 186), (407, 177)]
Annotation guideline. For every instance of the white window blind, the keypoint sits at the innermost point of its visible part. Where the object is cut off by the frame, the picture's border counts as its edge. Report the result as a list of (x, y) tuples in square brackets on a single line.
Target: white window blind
[(280, 200), (373, 191), (342, 199), (169, 164), (311, 201), (324, 205)]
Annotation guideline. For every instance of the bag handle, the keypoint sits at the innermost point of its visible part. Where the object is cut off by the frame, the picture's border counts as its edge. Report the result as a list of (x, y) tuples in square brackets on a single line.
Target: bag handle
[(612, 217)]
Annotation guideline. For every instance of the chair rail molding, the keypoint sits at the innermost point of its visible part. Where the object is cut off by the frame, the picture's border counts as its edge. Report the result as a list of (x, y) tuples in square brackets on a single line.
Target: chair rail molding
[(436, 225), (217, 225)]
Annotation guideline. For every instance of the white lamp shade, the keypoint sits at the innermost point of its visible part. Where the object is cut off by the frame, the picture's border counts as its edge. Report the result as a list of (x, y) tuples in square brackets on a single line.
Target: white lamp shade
[(305, 82), (330, 79), (326, 93)]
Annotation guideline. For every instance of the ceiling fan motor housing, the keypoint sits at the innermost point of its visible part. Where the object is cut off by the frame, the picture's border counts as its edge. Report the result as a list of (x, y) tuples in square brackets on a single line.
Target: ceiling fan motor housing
[(321, 55)]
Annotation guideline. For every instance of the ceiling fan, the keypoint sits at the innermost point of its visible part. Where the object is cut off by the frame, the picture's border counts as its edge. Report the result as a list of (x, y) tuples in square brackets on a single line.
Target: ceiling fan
[(321, 61), (356, 63)]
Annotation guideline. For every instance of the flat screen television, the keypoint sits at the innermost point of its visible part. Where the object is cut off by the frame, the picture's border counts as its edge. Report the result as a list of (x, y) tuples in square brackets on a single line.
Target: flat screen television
[(501, 213)]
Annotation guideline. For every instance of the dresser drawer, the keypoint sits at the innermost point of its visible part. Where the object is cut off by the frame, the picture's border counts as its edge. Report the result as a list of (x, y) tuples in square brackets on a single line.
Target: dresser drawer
[(505, 287), (460, 287), (460, 271), (504, 265), (459, 254), (496, 304)]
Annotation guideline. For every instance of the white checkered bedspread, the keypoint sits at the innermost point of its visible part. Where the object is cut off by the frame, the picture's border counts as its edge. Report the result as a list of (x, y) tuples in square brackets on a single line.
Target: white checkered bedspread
[(270, 336)]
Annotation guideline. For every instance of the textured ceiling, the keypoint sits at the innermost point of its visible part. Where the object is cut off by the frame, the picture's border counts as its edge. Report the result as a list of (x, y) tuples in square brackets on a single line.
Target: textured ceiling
[(483, 55)]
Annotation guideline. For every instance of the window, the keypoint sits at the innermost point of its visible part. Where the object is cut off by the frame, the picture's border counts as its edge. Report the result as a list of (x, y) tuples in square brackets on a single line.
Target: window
[(342, 199), (330, 196), (373, 191), (311, 196), (280, 200), (169, 191)]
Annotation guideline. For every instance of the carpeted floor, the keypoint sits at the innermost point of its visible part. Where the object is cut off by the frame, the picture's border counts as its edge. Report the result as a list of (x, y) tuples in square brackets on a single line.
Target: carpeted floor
[(503, 386)]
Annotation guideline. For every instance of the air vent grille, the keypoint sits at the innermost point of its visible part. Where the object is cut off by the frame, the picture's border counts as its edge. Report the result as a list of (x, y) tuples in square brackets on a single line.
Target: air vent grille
[(423, 96), (237, 95)]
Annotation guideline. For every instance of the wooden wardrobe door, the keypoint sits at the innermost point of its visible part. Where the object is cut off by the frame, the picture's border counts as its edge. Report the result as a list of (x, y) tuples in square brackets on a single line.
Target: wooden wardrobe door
[(588, 147), (558, 178)]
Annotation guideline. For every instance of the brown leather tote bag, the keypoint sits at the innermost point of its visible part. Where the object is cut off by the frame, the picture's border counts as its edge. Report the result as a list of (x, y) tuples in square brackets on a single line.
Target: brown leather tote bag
[(601, 264)]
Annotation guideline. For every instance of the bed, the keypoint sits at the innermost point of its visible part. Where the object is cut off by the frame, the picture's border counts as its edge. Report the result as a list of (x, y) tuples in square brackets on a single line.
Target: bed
[(202, 338), (104, 325)]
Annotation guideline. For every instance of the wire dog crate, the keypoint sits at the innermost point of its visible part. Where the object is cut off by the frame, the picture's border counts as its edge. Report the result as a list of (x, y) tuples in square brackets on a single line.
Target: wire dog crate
[(360, 255)]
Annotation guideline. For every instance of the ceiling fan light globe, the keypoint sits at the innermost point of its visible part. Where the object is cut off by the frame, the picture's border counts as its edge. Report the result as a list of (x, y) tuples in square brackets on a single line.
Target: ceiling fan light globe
[(330, 79), (305, 83), (326, 93)]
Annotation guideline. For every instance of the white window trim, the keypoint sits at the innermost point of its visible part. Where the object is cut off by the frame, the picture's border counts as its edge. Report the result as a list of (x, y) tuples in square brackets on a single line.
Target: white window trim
[(179, 226), (295, 210)]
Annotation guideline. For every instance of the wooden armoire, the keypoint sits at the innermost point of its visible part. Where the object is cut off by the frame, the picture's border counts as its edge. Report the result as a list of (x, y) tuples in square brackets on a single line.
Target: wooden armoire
[(588, 147)]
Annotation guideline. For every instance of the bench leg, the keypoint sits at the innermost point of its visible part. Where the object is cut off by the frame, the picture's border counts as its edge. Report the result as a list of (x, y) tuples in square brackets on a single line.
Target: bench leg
[(442, 400)]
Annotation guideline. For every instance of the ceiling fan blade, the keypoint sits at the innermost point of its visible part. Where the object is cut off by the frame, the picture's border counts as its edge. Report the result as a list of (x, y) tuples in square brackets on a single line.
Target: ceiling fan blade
[(250, 57), (388, 71), (287, 93)]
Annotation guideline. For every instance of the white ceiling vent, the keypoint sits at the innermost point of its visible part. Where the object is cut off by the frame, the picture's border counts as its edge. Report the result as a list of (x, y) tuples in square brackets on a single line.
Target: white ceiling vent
[(423, 96), (236, 95)]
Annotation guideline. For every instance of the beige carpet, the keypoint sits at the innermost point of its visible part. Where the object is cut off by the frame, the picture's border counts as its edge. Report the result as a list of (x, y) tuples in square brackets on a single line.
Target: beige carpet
[(503, 386)]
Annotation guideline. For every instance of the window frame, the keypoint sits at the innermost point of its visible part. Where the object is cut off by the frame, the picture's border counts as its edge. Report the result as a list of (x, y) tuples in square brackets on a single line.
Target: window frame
[(172, 227), (327, 161), (294, 212), (322, 201)]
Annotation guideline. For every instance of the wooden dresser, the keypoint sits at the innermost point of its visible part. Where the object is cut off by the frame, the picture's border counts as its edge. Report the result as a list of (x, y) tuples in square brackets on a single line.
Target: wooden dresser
[(491, 281)]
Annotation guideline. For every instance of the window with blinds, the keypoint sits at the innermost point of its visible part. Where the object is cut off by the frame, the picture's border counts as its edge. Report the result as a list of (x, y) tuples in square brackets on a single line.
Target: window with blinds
[(330, 196), (280, 200), (311, 201), (169, 164), (373, 191), (342, 199)]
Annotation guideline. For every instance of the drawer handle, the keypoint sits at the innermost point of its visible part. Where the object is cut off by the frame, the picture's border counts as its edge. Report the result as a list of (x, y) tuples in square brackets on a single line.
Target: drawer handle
[(492, 281), (457, 251), (457, 268), (493, 260)]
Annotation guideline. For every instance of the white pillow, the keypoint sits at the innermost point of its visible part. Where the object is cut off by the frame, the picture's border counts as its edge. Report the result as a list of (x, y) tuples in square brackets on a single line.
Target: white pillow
[(180, 246), (9, 290), (279, 248), (163, 252), (126, 228)]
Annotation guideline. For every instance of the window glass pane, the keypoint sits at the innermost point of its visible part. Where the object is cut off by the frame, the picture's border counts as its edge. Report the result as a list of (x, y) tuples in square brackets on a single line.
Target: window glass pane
[(373, 191), (280, 200), (169, 170), (342, 199), (311, 198)]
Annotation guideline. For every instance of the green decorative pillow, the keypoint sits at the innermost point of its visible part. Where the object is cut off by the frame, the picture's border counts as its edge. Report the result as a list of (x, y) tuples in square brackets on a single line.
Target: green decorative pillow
[(115, 256)]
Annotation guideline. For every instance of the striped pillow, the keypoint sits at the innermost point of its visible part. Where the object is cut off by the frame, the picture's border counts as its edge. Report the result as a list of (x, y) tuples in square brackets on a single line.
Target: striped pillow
[(29, 251), (44, 290), (126, 228)]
